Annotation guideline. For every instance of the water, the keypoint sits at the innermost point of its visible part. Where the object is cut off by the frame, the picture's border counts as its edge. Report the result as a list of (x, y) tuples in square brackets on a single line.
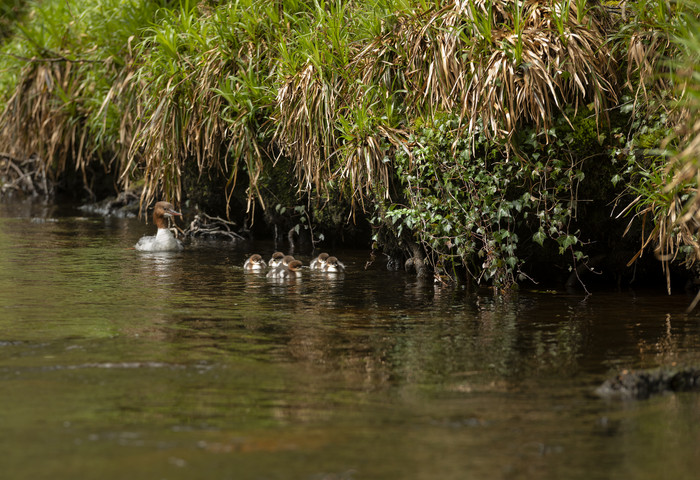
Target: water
[(118, 364)]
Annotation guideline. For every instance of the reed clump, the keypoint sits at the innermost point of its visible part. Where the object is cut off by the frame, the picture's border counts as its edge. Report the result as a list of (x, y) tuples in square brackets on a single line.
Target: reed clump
[(453, 126), (67, 77)]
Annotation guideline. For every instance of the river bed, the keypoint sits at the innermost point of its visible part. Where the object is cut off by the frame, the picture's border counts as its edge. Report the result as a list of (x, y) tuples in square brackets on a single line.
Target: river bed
[(120, 364)]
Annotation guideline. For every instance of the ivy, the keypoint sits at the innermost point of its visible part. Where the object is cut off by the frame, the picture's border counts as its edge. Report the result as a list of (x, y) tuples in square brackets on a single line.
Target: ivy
[(471, 203)]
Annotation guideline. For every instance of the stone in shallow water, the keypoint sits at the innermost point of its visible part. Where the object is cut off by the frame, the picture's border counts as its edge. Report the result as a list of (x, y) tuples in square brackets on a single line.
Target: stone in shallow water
[(641, 384)]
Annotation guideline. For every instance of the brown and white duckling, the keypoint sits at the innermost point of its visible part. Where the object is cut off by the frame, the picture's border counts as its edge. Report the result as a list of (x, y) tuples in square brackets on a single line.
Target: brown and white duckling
[(286, 271), (278, 264), (333, 265), (276, 259), (254, 264), (163, 240), (319, 262)]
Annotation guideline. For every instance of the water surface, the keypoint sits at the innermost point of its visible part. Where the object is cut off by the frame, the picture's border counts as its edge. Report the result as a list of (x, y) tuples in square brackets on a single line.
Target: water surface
[(120, 364)]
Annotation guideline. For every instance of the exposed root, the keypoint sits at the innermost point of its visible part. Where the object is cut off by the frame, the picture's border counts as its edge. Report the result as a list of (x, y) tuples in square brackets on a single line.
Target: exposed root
[(27, 176), (212, 227)]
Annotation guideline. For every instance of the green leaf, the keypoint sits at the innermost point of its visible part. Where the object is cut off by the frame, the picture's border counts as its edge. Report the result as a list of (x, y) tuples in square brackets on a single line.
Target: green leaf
[(539, 237)]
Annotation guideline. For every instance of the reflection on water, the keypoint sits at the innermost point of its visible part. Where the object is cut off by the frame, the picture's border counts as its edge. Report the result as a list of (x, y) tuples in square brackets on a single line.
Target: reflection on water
[(157, 265), (180, 365)]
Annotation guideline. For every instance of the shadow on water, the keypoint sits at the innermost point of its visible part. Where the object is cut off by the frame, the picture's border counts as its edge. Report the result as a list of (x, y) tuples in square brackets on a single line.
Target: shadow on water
[(180, 365)]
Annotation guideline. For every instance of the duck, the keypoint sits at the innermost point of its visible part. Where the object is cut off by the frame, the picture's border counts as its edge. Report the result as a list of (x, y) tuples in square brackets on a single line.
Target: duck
[(333, 265), (163, 240), (319, 262), (276, 259), (254, 264), (286, 271)]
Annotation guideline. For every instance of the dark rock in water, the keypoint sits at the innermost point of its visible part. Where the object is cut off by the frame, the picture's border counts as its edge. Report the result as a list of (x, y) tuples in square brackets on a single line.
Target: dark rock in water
[(393, 264), (126, 204), (639, 385)]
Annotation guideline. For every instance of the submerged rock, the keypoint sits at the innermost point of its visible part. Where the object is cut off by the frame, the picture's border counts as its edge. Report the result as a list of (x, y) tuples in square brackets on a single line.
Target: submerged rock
[(641, 384)]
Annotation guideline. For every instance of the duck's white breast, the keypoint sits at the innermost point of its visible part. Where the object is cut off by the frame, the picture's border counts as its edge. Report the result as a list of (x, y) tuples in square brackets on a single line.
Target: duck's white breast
[(163, 241)]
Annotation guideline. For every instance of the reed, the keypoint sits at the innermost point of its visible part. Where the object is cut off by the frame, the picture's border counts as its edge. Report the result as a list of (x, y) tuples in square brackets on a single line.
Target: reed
[(662, 53), (68, 69)]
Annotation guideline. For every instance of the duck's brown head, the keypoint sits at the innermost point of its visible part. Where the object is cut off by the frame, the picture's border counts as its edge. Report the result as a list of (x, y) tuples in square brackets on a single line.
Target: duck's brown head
[(162, 210), (294, 265)]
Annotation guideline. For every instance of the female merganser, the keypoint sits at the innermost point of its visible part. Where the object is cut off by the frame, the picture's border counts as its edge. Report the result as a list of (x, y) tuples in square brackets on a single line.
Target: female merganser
[(289, 271), (333, 265), (164, 240), (276, 259), (319, 262), (254, 264)]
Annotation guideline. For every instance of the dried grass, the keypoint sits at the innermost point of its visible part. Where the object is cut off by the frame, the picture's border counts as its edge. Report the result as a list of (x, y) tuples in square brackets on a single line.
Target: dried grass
[(204, 88), (556, 71), (42, 118), (457, 58), (500, 65), (658, 62), (307, 106)]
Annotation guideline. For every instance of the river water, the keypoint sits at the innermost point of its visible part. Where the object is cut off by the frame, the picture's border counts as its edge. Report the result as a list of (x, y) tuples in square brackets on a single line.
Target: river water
[(117, 364)]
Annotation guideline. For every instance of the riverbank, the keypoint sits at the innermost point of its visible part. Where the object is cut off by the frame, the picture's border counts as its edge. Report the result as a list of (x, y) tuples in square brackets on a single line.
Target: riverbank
[(486, 142)]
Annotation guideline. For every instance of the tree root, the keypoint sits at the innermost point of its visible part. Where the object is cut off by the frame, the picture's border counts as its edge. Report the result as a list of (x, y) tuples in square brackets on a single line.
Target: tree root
[(27, 176), (212, 227)]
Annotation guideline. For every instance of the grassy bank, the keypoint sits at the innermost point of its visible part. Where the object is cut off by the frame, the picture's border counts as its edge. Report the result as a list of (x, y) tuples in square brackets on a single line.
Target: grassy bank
[(481, 140)]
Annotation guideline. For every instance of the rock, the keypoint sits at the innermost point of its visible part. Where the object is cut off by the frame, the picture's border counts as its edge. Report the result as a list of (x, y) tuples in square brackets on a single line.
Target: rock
[(641, 384), (126, 204)]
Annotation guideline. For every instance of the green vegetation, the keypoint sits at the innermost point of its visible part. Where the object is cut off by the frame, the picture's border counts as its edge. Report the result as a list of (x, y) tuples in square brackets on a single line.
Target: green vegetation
[(475, 135)]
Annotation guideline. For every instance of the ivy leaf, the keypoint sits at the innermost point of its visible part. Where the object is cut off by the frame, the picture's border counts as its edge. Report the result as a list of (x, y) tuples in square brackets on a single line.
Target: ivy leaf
[(616, 179), (566, 241), (539, 237)]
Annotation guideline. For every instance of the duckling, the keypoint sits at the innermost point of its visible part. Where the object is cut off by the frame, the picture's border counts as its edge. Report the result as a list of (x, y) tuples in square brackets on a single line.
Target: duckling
[(276, 259), (289, 271), (319, 262), (278, 263), (333, 265), (254, 264)]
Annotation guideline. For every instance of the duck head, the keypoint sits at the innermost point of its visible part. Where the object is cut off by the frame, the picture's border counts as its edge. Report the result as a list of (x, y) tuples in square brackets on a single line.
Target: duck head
[(163, 210)]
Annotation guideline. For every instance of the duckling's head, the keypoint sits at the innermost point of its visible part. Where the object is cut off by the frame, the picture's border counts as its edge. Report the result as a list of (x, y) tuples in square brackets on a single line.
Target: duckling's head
[(276, 259), (294, 265)]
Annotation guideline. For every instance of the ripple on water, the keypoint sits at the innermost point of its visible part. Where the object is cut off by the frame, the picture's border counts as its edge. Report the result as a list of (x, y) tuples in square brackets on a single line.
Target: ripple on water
[(116, 362)]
